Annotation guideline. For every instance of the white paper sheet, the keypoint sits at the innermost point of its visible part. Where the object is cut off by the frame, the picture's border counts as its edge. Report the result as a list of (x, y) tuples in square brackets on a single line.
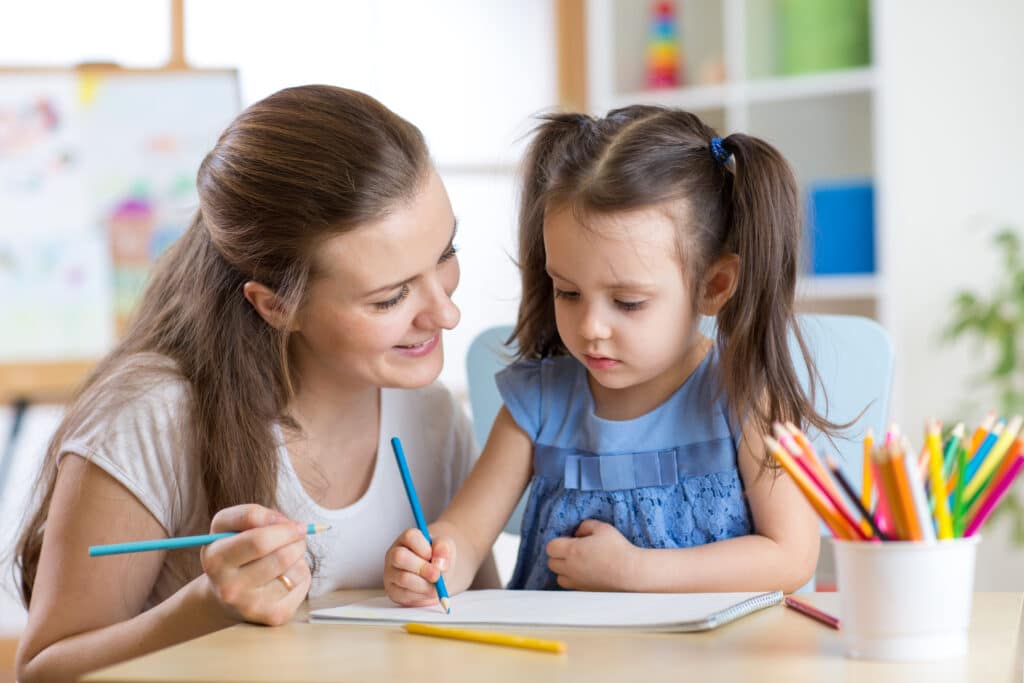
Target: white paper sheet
[(565, 609)]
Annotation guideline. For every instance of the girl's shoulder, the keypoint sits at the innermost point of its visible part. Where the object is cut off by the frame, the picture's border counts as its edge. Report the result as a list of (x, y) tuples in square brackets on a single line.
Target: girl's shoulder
[(536, 390), (547, 373)]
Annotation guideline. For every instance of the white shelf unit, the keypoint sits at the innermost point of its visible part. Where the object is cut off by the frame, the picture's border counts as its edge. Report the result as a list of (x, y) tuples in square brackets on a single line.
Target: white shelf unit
[(824, 123)]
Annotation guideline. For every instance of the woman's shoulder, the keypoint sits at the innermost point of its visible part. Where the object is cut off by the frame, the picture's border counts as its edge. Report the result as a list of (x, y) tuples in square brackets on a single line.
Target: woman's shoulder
[(140, 392)]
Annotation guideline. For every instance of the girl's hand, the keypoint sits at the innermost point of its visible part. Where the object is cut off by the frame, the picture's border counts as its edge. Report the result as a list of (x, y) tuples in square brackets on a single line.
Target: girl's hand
[(597, 558), (261, 574), (412, 567)]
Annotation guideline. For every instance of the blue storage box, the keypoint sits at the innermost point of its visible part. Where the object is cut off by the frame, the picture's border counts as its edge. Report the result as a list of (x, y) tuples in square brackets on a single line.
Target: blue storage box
[(841, 228)]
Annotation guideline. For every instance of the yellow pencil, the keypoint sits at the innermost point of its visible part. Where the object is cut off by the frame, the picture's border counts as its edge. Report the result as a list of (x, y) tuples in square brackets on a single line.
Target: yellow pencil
[(867, 476), (938, 481), (489, 637)]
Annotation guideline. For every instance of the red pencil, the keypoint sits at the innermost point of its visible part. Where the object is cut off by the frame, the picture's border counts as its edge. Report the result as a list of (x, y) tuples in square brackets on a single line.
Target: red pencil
[(812, 612)]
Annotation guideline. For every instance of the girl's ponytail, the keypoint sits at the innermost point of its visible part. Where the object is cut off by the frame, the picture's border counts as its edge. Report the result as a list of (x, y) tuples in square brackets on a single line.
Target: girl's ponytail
[(764, 227)]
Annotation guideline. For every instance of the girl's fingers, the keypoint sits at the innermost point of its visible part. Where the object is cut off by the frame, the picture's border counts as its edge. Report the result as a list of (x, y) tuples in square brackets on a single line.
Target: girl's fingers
[(406, 561), (558, 547), (557, 566), (443, 554), (416, 542), (408, 598)]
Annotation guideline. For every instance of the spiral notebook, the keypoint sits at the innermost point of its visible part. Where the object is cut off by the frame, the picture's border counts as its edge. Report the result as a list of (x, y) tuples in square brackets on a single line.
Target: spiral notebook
[(678, 612)]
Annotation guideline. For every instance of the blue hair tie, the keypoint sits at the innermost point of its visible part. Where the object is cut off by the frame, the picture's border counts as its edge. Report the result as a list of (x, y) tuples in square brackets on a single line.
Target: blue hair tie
[(720, 153)]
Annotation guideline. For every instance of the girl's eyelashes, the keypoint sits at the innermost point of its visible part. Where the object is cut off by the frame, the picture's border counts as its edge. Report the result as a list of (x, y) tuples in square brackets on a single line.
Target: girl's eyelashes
[(627, 306), (630, 306), (393, 301)]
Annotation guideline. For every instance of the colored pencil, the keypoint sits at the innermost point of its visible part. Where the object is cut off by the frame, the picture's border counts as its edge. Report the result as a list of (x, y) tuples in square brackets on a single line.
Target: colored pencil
[(983, 450), (971, 505), (176, 542), (852, 495), (809, 455), (977, 438), (981, 432), (938, 481), (867, 476), (887, 489), (417, 512), (904, 498), (949, 452), (994, 496), (808, 449), (811, 492), (988, 465), (919, 499), (883, 512), (812, 612), (803, 455), (958, 495), (488, 637), (851, 524)]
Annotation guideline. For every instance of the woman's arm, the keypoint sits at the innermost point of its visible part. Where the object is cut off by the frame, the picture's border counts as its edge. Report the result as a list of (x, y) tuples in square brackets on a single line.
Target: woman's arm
[(87, 613), (780, 554), (466, 531)]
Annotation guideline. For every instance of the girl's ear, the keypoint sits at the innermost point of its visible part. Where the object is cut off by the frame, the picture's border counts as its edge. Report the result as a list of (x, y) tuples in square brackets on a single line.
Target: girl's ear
[(267, 304), (719, 284)]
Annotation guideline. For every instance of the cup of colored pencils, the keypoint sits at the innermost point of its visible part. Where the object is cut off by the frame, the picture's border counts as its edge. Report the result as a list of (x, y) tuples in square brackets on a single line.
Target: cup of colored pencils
[(905, 544)]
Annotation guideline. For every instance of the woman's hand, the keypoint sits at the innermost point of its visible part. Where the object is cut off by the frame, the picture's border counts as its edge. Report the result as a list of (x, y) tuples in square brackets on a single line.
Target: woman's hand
[(259, 575), (412, 567), (597, 558)]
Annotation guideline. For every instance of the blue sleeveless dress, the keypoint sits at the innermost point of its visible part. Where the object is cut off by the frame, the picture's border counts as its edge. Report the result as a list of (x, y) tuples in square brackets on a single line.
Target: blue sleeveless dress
[(667, 479)]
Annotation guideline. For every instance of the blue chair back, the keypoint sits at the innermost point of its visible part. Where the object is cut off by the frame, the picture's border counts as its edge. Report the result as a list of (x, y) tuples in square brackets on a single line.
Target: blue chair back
[(853, 355)]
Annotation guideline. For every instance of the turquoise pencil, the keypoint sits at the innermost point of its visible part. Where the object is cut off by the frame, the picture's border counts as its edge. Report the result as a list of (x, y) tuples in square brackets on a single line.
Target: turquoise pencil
[(417, 512), (177, 542)]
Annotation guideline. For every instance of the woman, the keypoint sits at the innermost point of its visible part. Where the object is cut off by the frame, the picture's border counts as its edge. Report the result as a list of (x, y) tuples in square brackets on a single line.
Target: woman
[(292, 330)]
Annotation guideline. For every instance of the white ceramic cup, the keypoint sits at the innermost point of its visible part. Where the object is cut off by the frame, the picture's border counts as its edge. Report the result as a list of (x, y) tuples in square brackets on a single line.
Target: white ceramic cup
[(905, 600)]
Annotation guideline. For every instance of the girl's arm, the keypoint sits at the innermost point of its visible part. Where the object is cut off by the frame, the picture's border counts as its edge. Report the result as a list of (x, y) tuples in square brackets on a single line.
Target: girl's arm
[(470, 524), (87, 612), (780, 554)]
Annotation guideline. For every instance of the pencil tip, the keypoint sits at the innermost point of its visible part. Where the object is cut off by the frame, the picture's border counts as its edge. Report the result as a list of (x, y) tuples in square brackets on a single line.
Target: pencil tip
[(447, 605)]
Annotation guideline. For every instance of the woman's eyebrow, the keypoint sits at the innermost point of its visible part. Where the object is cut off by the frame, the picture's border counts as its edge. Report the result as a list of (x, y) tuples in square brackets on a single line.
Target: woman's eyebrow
[(396, 285)]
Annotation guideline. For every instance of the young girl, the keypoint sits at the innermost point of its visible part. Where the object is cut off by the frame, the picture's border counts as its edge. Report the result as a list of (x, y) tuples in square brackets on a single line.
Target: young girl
[(290, 332), (641, 438)]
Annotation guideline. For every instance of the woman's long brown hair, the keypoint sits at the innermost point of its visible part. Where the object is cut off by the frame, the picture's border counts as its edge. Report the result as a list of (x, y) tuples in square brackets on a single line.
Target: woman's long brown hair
[(292, 170), (643, 156)]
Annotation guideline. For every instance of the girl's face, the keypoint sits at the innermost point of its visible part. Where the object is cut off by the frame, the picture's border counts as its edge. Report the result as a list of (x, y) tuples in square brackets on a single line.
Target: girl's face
[(623, 306), (382, 295)]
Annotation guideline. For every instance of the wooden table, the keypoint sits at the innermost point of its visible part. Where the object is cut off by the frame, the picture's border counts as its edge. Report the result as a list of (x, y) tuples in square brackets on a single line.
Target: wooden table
[(774, 644)]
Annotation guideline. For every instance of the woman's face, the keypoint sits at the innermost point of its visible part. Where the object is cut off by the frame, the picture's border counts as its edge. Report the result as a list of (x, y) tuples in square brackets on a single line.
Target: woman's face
[(380, 297)]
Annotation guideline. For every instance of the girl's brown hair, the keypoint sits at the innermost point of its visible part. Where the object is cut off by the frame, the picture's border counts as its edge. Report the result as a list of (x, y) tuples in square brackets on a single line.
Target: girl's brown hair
[(291, 171), (748, 205)]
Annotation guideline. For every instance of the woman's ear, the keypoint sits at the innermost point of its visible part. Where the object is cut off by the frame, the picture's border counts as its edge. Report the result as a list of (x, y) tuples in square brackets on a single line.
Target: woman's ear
[(719, 284), (267, 304)]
